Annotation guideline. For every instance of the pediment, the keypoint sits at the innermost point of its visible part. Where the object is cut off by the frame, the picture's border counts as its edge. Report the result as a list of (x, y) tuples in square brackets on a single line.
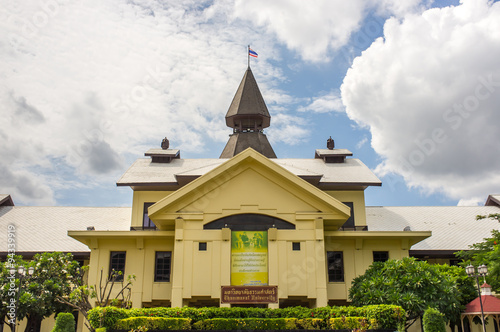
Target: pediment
[(248, 183)]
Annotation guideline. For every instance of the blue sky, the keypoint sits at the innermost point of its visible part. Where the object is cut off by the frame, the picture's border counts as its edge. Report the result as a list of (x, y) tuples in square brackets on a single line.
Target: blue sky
[(411, 88)]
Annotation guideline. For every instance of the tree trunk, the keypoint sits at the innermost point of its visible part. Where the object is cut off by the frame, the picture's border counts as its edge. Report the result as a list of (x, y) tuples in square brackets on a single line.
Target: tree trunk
[(33, 324)]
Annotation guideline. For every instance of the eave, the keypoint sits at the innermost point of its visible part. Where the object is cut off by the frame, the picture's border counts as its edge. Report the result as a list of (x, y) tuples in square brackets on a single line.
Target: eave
[(91, 238), (410, 237)]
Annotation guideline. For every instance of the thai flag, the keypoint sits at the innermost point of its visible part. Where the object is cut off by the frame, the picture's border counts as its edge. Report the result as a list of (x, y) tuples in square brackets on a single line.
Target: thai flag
[(252, 53)]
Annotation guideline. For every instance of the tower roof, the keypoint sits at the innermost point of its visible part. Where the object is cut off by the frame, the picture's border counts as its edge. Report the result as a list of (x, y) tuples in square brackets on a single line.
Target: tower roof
[(248, 109)]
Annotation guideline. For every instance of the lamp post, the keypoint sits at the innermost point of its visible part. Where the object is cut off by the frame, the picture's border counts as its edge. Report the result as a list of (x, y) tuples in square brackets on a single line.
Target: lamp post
[(482, 271), (21, 274)]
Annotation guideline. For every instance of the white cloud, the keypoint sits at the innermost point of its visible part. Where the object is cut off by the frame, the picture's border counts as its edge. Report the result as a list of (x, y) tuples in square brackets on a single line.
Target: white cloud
[(288, 129), (91, 83), (429, 93), (330, 102), (312, 28), (316, 29), (362, 143)]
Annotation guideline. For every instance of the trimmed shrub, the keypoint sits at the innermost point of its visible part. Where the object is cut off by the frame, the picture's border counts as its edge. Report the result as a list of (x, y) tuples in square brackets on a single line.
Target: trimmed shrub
[(246, 324), (433, 321), (65, 322), (100, 329), (106, 317), (387, 316), (352, 323), (311, 324), (153, 323)]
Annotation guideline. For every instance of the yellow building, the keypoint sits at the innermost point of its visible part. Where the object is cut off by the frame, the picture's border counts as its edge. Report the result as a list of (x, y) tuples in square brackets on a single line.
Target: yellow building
[(245, 229), (292, 228)]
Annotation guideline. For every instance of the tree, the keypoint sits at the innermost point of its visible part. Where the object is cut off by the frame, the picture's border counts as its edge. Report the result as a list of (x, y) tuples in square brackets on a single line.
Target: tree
[(54, 273), (411, 284), (81, 294), (466, 289), (486, 252)]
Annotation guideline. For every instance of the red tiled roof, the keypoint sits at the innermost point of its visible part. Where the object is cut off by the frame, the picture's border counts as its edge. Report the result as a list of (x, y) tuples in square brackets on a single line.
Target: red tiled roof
[(490, 305)]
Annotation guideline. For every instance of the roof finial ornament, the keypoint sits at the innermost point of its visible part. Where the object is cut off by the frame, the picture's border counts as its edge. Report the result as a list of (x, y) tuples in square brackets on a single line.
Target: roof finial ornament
[(165, 144), (330, 144)]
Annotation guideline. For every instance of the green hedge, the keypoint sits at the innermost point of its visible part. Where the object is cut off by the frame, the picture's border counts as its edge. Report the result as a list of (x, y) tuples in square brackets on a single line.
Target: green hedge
[(352, 323), (154, 323), (65, 322), (311, 324), (433, 321), (247, 324), (106, 317), (387, 316)]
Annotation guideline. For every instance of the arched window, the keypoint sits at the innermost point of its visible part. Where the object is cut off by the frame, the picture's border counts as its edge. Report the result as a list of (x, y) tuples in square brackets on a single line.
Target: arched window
[(249, 222)]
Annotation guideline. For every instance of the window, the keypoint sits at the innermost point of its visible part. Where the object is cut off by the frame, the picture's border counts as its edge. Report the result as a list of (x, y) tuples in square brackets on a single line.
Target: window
[(296, 246), (202, 246), (162, 266), (146, 222), (335, 266), (117, 264), (380, 256)]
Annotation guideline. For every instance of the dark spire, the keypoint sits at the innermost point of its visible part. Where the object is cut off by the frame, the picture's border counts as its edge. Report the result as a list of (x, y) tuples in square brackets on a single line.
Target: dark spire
[(248, 111), (248, 116)]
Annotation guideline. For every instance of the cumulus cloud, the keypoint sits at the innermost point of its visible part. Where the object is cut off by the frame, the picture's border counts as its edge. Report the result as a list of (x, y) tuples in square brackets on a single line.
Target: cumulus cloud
[(317, 28), (311, 29), (429, 92), (330, 102), (92, 83)]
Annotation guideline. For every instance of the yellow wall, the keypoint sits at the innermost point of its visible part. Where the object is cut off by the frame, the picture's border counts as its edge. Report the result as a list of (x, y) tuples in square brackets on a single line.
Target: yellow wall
[(140, 261), (357, 258), (141, 197), (358, 198)]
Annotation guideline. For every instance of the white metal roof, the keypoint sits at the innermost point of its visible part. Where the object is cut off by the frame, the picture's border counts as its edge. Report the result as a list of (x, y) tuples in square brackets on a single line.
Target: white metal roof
[(40, 229), (353, 171), (453, 227)]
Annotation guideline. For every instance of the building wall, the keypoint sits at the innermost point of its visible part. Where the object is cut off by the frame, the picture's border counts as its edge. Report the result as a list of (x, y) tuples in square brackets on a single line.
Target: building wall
[(357, 198), (357, 258), (141, 197), (140, 262)]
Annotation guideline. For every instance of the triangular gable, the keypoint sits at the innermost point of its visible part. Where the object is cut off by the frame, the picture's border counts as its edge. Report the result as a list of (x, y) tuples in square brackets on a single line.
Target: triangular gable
[(223, 179)]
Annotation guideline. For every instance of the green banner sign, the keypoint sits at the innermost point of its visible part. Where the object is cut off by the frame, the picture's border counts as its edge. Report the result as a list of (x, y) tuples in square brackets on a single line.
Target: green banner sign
[(249, 258)]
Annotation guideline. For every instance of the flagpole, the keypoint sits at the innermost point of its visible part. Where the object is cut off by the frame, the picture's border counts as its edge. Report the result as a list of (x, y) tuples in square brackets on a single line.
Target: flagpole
[(248, 56)]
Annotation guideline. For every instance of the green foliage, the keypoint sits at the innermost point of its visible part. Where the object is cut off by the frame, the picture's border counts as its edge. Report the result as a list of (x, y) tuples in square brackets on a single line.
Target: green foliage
[(386, 316), (466, 288), (65, 322), (155, 323), (106, 316), (486, 252), (311, 324), (433, 321), (53, 276), (100, 329), (81, 294), (413, 285), (246, 324), (352, 323)]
